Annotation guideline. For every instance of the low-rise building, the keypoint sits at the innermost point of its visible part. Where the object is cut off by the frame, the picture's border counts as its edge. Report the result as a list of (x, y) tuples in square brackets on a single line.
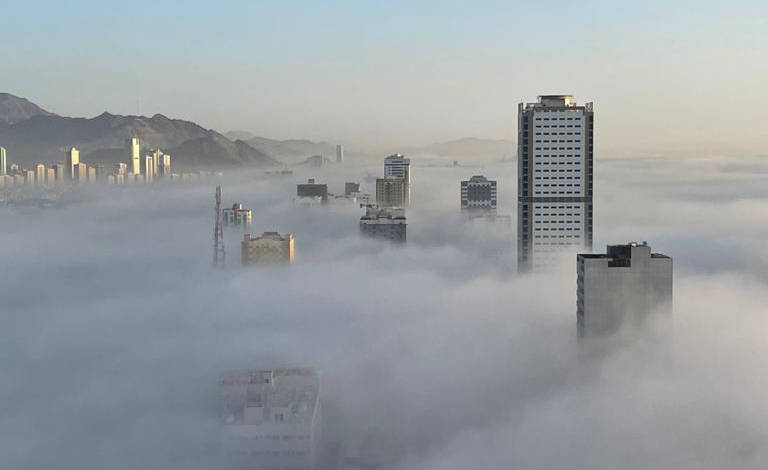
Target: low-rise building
[(478, 194), (269, 248), (238, 215), (312, 189), (384, 223), (271, 418)]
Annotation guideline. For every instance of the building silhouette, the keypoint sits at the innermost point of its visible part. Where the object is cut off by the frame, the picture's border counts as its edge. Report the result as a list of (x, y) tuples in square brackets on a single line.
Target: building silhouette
[(269, 248)]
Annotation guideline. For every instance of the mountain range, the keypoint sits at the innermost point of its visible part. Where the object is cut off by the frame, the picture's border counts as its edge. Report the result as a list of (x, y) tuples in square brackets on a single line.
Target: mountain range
[(31, 134), (471, 148)]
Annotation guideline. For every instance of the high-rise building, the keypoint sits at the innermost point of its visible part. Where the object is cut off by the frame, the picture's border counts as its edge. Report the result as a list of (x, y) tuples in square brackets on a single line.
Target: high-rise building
[(149, 165), (135, 150), (3, 161), (339, 153), (238, 215), (350, 188), (50, 176), (165, 166), (555, 174), (40, 174), (391, 192), (622, 287), (311, 189), (29, 177), (398, 166), (61, 171), (384, 223), (271, 418), (81, 173), (73, 158), (478, 194), (269, 248), (92, 174)]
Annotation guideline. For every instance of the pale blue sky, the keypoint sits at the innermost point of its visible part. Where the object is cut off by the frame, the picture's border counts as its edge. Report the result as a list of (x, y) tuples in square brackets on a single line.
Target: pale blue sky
[(686, 78)]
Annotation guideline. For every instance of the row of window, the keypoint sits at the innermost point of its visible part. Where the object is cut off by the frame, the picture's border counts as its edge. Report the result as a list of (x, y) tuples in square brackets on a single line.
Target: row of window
[(560, 119), (545, 229), (556, 192), (275, 437), (562, 170), (556, 141), (561, 126), (575, 214), (557, 178)]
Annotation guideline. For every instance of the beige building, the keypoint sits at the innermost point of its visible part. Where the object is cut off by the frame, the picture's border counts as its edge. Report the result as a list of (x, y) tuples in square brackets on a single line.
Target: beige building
[(135, 155), (269, 248), (73, 158), (40, 174), (50, 176), (81, 173), (391, 192)]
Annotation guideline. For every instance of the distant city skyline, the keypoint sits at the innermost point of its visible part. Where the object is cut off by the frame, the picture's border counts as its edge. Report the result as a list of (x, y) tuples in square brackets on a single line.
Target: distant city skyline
[(381, 76)]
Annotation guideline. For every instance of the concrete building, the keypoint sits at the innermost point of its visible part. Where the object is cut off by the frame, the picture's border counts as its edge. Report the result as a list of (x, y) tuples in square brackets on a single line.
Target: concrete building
[(271, 419), (398, 166), (3, 161), (73, 158), (339, 153), (269, 248), (81, 173), (50, 176), (92, 175), (238, 215), (622, 287), (134, 146), (149, 168), (350, 188), (30, 177), (555, 181), (391, 192), (384, 223), (478, 194), (165, 166), (40, 174), (61, 172), (312, 189)]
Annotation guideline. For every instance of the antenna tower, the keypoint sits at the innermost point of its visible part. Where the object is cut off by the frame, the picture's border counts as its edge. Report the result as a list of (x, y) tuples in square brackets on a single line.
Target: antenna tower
[(218, 233)]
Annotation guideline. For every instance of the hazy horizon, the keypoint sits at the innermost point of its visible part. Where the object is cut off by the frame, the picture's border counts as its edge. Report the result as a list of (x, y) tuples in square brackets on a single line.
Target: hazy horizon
[(665, 79)]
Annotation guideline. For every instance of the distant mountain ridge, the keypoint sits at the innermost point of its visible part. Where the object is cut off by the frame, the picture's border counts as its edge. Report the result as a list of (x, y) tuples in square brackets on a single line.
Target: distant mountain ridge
[(290, 150), (14, 109), (44, 136)]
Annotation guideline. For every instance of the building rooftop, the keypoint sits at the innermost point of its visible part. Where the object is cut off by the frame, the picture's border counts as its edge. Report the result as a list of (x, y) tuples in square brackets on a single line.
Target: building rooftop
[(270, 235), (621, 255), (257, 396)]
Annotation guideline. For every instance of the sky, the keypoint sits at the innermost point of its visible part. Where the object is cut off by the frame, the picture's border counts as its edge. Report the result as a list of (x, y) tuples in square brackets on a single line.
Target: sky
[(117, 328), (667, 78)]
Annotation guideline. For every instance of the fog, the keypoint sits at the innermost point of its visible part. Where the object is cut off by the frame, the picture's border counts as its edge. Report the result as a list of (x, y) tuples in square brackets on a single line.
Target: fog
[(117, 328)]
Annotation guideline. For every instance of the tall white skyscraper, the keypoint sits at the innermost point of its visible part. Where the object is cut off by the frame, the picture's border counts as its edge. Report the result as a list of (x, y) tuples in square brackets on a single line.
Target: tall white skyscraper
[(339, 153), (3, 161), (149, 168), (555, 174), (135, 155), (398, 166), (73, 159)]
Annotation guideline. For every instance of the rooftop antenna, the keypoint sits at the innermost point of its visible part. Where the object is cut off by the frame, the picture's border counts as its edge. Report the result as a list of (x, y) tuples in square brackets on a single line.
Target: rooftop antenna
[(218, 233)]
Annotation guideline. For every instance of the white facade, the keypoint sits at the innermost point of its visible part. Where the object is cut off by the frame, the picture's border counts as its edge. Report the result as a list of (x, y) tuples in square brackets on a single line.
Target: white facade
[(397, 166), (3, 161), (271, 418), (622, 288), (554, 181), (135, 148), (238, 215), (339, 153)]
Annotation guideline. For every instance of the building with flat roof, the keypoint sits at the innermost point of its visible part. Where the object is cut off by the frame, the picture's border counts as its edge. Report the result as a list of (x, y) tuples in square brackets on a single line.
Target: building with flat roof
[(622, 287), (351, 187), (3, 161), (269, 248), (384, 223), (478, 194), (339, 153), (271, 418), (555, 181), (238, 215), (312, 189), (398, 166)]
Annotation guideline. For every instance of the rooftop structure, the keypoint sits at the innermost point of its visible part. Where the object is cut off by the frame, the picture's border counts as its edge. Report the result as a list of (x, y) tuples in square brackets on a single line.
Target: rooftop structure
[(269, 248), (312, 189), (623, 286), (384, 223), (478, 194), (238, 215)]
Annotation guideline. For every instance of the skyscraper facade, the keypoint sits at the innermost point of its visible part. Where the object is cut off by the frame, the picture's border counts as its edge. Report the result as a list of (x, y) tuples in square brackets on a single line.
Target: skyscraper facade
[(339, 153), (3, 161), (622, 287), (555, 180), (269, 248), (384, 223), (391, 192), (135, 148), (398, 166), (478, 194), (73, 159)]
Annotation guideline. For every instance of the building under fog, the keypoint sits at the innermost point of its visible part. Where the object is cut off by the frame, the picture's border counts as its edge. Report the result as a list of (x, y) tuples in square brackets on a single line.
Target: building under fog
[(269, 248), (622, 287), (311, 189), (555, 173), (238, 215), (384, 223), (339, 153), (478, 194), (391, 192), (397, 166), (351, 187), (271, 418)]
